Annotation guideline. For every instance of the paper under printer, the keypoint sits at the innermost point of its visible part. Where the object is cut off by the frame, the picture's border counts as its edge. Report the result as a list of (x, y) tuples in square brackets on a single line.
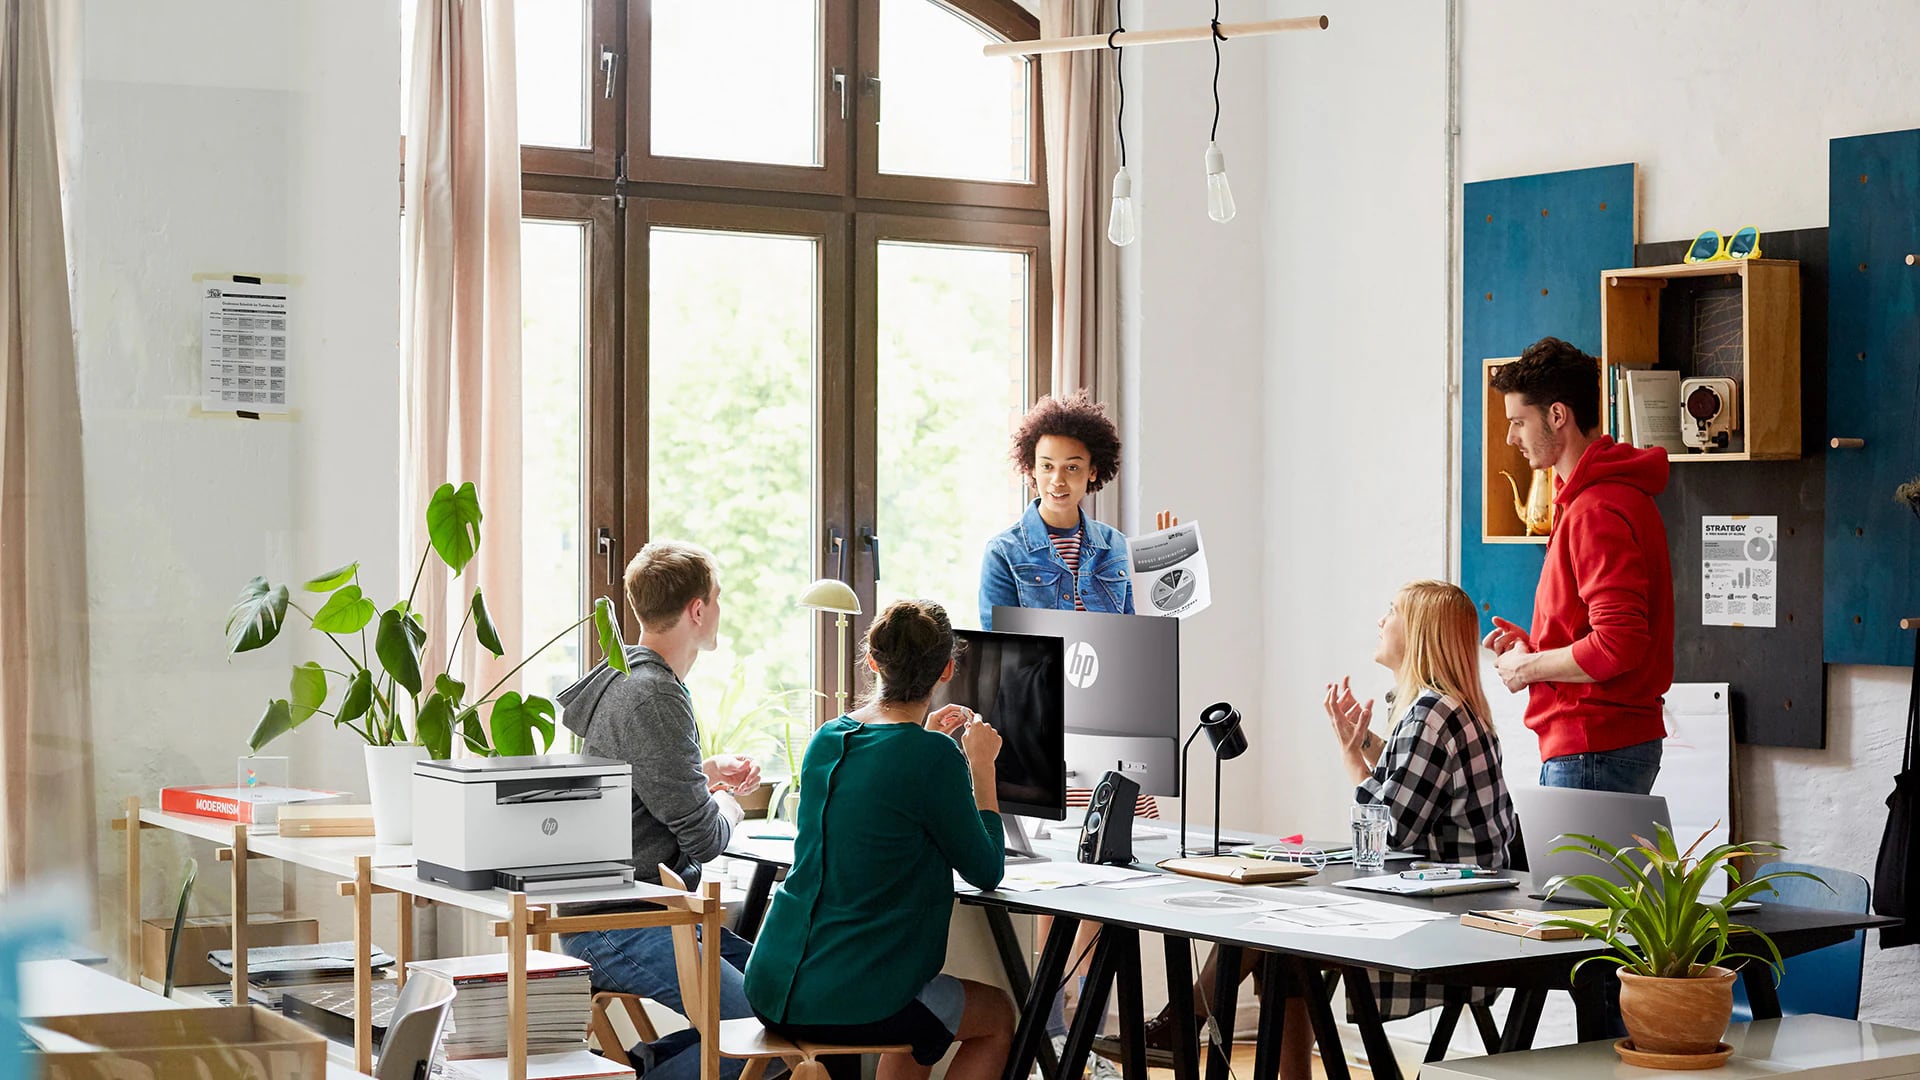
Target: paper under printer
[(475, 816)]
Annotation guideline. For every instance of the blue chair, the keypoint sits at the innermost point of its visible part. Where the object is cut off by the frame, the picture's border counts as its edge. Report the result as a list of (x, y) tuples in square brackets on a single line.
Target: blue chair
[(1824, 981)]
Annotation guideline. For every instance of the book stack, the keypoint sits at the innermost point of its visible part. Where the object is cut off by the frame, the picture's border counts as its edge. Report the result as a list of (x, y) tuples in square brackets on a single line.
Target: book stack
[(258, 806), (559, 997)]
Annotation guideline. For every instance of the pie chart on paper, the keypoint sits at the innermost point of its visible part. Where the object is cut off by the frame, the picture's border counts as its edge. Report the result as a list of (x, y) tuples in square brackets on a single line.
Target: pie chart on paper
[(1173, 589), (1214, 903)]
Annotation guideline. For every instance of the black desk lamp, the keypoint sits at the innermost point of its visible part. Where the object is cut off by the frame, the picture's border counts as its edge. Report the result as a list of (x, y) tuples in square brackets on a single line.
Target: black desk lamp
[(1221, 722)]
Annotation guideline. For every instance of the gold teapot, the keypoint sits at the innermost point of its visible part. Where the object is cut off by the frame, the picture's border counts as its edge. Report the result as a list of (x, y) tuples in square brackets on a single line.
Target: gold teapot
[(1536, 510)]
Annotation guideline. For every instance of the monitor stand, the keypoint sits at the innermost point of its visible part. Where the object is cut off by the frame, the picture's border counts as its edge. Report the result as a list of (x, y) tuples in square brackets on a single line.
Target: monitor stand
[(1019, 847)]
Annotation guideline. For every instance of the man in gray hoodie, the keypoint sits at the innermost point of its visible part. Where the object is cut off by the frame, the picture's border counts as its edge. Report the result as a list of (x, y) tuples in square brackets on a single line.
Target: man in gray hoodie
[(683, 808)]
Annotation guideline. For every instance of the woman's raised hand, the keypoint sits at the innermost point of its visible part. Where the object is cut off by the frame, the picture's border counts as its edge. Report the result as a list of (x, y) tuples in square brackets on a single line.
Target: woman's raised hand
[(1350, 717), (980, 743), (1164, 520)]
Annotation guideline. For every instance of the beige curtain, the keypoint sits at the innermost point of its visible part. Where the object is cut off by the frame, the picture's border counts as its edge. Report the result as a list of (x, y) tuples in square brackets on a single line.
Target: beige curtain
[(46, 739), (460, 314), (1077, 111)]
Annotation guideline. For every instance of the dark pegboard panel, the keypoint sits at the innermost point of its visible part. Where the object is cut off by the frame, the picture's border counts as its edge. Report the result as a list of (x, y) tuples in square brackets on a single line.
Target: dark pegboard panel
[(1776, 676), (1533, 250), (1872, 566)]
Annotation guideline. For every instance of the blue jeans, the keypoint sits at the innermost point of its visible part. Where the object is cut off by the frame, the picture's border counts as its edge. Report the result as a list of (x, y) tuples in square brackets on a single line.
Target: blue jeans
[(1630, 769), (641, 962)]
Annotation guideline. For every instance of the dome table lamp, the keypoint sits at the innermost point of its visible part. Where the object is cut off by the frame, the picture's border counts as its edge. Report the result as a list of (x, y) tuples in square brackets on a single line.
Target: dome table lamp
[(1221, 722), (832, 594)]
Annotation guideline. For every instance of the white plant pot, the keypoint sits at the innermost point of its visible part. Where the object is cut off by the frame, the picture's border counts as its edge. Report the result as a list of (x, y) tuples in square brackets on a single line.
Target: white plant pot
[(390, 790)]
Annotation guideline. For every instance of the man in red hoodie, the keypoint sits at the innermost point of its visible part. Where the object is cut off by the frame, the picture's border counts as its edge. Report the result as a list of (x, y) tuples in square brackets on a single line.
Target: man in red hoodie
[(1600, 653)]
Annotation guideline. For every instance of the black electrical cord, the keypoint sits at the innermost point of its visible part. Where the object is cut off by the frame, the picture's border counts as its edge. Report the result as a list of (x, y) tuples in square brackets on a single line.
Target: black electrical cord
[(1120, 82), (1218, 37)]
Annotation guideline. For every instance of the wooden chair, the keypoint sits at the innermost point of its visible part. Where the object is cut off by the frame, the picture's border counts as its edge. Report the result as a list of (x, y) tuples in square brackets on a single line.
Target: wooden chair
[(743, 1039)]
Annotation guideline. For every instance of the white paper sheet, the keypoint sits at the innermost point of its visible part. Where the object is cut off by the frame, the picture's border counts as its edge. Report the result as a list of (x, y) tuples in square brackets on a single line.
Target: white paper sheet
[(1170, 572), (1696, 763), (1371, 931), (1739, 570), (244, 358)]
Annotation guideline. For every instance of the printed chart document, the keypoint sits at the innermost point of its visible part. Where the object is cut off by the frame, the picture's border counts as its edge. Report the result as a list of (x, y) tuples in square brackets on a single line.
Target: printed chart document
[(1170, 572), (243, 347), (1739, 570)]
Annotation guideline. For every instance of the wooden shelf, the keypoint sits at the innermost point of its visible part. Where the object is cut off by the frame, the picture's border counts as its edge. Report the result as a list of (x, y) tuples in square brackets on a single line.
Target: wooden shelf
[(1638, 303), (1499, 521)]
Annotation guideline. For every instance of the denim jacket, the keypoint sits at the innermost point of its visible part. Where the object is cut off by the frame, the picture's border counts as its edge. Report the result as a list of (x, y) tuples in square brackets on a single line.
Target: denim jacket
[(1021, 569)]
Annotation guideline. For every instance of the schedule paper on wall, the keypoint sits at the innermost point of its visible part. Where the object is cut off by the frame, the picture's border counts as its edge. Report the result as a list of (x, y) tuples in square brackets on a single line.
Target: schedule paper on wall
[(243, 347)]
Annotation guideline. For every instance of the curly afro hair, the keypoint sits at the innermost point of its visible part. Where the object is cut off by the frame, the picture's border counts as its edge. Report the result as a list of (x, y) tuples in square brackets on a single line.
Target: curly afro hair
[(1076, 417)]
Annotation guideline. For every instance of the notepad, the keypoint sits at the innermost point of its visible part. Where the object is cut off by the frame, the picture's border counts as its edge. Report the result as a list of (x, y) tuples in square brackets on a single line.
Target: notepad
[(1237, 869), (1531, 924)]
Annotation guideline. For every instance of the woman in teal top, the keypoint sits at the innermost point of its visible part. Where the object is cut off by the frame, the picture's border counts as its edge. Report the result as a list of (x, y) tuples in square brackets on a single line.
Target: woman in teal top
[(854, 940)]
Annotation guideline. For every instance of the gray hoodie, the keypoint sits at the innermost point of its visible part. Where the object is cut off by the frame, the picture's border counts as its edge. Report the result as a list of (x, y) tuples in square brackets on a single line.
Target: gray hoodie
[(646, 720)]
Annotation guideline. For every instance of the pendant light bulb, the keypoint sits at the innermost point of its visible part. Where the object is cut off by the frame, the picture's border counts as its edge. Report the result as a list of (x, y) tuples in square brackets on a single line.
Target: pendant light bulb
[(1219, 195), (1122, 227)]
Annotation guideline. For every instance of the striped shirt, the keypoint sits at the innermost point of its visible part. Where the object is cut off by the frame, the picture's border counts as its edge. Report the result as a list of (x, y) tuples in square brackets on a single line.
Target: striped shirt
[(1146, 806), (1066, 544)]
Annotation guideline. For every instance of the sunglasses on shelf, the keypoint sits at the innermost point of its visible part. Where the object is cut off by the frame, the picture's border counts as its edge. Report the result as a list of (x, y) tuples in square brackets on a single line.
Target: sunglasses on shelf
[(1712, 246)]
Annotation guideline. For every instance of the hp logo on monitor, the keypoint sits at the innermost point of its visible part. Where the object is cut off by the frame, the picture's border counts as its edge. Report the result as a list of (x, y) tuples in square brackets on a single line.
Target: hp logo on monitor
[(1083, 664)]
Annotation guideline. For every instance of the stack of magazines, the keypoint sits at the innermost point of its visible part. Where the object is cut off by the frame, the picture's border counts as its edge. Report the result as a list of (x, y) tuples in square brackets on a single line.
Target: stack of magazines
[(274, 969), (559, 997)]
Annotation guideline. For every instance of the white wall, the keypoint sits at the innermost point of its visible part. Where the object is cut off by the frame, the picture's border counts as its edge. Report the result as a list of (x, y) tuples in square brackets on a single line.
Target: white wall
[(1357, 367), (1194, 321), (1760, 88), (230, 137)]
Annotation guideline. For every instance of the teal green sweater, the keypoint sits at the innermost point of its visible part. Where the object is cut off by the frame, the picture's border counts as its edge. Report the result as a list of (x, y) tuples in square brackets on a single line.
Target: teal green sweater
[(860, 924)]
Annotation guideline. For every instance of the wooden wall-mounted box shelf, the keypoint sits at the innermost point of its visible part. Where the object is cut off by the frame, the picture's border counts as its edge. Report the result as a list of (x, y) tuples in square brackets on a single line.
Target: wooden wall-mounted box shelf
[(1500, 523), (1657, 316)]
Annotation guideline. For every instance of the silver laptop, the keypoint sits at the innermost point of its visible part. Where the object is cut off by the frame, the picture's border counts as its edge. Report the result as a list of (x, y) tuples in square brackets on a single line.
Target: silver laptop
[(1546, 814)]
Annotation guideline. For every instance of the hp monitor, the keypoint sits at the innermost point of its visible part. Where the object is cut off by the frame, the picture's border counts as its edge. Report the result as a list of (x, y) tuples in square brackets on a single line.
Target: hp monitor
[(1122, 693)]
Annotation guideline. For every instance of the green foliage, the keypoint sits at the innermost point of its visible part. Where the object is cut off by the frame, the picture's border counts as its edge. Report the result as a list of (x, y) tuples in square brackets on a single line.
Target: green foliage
[(734, 719), (371, 705), (1657, 924), (453, 525), (483, 630), (515, 720), (345, 612), (256, 617)]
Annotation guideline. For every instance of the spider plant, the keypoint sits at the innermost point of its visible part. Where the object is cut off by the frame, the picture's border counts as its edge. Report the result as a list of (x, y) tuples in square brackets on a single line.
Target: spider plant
[(1657, 923)]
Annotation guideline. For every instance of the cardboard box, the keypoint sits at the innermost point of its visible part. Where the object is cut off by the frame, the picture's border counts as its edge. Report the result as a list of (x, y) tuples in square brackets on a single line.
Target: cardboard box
[(202, 934), (247, 1043)]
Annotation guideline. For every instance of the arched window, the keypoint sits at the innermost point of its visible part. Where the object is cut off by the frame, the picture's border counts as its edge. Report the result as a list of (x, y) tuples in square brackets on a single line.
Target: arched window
[(786, 293)]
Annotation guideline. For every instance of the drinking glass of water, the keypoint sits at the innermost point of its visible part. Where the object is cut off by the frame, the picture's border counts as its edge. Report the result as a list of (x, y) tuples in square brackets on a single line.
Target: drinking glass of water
[(1369, 835)]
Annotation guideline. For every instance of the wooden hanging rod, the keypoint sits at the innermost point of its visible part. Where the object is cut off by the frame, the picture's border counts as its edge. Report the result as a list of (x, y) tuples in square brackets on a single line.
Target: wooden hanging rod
[(1128, 39)]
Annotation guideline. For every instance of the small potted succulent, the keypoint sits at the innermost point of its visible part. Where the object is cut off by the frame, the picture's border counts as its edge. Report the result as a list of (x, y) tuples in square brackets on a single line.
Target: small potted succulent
[(1676, 995), (388, 693)]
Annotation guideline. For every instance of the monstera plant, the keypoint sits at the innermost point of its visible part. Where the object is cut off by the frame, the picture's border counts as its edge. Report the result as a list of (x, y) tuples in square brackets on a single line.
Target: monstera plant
[(389, 692)]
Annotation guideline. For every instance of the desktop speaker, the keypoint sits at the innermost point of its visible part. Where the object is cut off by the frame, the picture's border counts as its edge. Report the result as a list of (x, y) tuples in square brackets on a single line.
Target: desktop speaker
[(1107, 834)]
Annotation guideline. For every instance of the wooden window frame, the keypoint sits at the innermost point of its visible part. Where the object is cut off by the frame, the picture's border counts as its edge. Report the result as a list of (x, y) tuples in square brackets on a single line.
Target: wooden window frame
[(832, 381), (870, 231), (606, 28), (1002, 17), (830, 176)]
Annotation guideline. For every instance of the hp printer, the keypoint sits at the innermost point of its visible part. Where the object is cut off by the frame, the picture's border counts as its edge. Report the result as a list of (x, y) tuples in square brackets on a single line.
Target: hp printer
[(473, 817)]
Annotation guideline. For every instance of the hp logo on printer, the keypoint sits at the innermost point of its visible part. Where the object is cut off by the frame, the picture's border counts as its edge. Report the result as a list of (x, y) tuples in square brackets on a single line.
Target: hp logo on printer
[(1083, 664), (550, 826)]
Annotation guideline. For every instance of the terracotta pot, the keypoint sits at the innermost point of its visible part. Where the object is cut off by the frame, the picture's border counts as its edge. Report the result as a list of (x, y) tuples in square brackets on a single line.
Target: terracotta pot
[(1677, 1016)]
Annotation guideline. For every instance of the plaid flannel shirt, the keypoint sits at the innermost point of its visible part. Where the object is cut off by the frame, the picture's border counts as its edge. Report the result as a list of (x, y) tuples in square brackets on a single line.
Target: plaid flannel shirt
[(1440, 779)]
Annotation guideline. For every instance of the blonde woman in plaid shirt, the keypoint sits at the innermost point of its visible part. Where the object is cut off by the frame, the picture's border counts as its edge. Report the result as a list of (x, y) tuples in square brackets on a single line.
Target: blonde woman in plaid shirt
[(1437, 771)]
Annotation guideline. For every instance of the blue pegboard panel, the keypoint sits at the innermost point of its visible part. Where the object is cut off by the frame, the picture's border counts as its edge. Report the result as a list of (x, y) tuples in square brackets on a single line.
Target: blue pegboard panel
[(1872, 548), (1533, 250)]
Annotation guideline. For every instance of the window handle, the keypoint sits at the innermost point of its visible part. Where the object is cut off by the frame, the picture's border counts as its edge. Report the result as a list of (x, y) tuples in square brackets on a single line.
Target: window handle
[(873, 91), (871, 541), (840, 89), (837, 551), (609, 69), (607, 547)]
